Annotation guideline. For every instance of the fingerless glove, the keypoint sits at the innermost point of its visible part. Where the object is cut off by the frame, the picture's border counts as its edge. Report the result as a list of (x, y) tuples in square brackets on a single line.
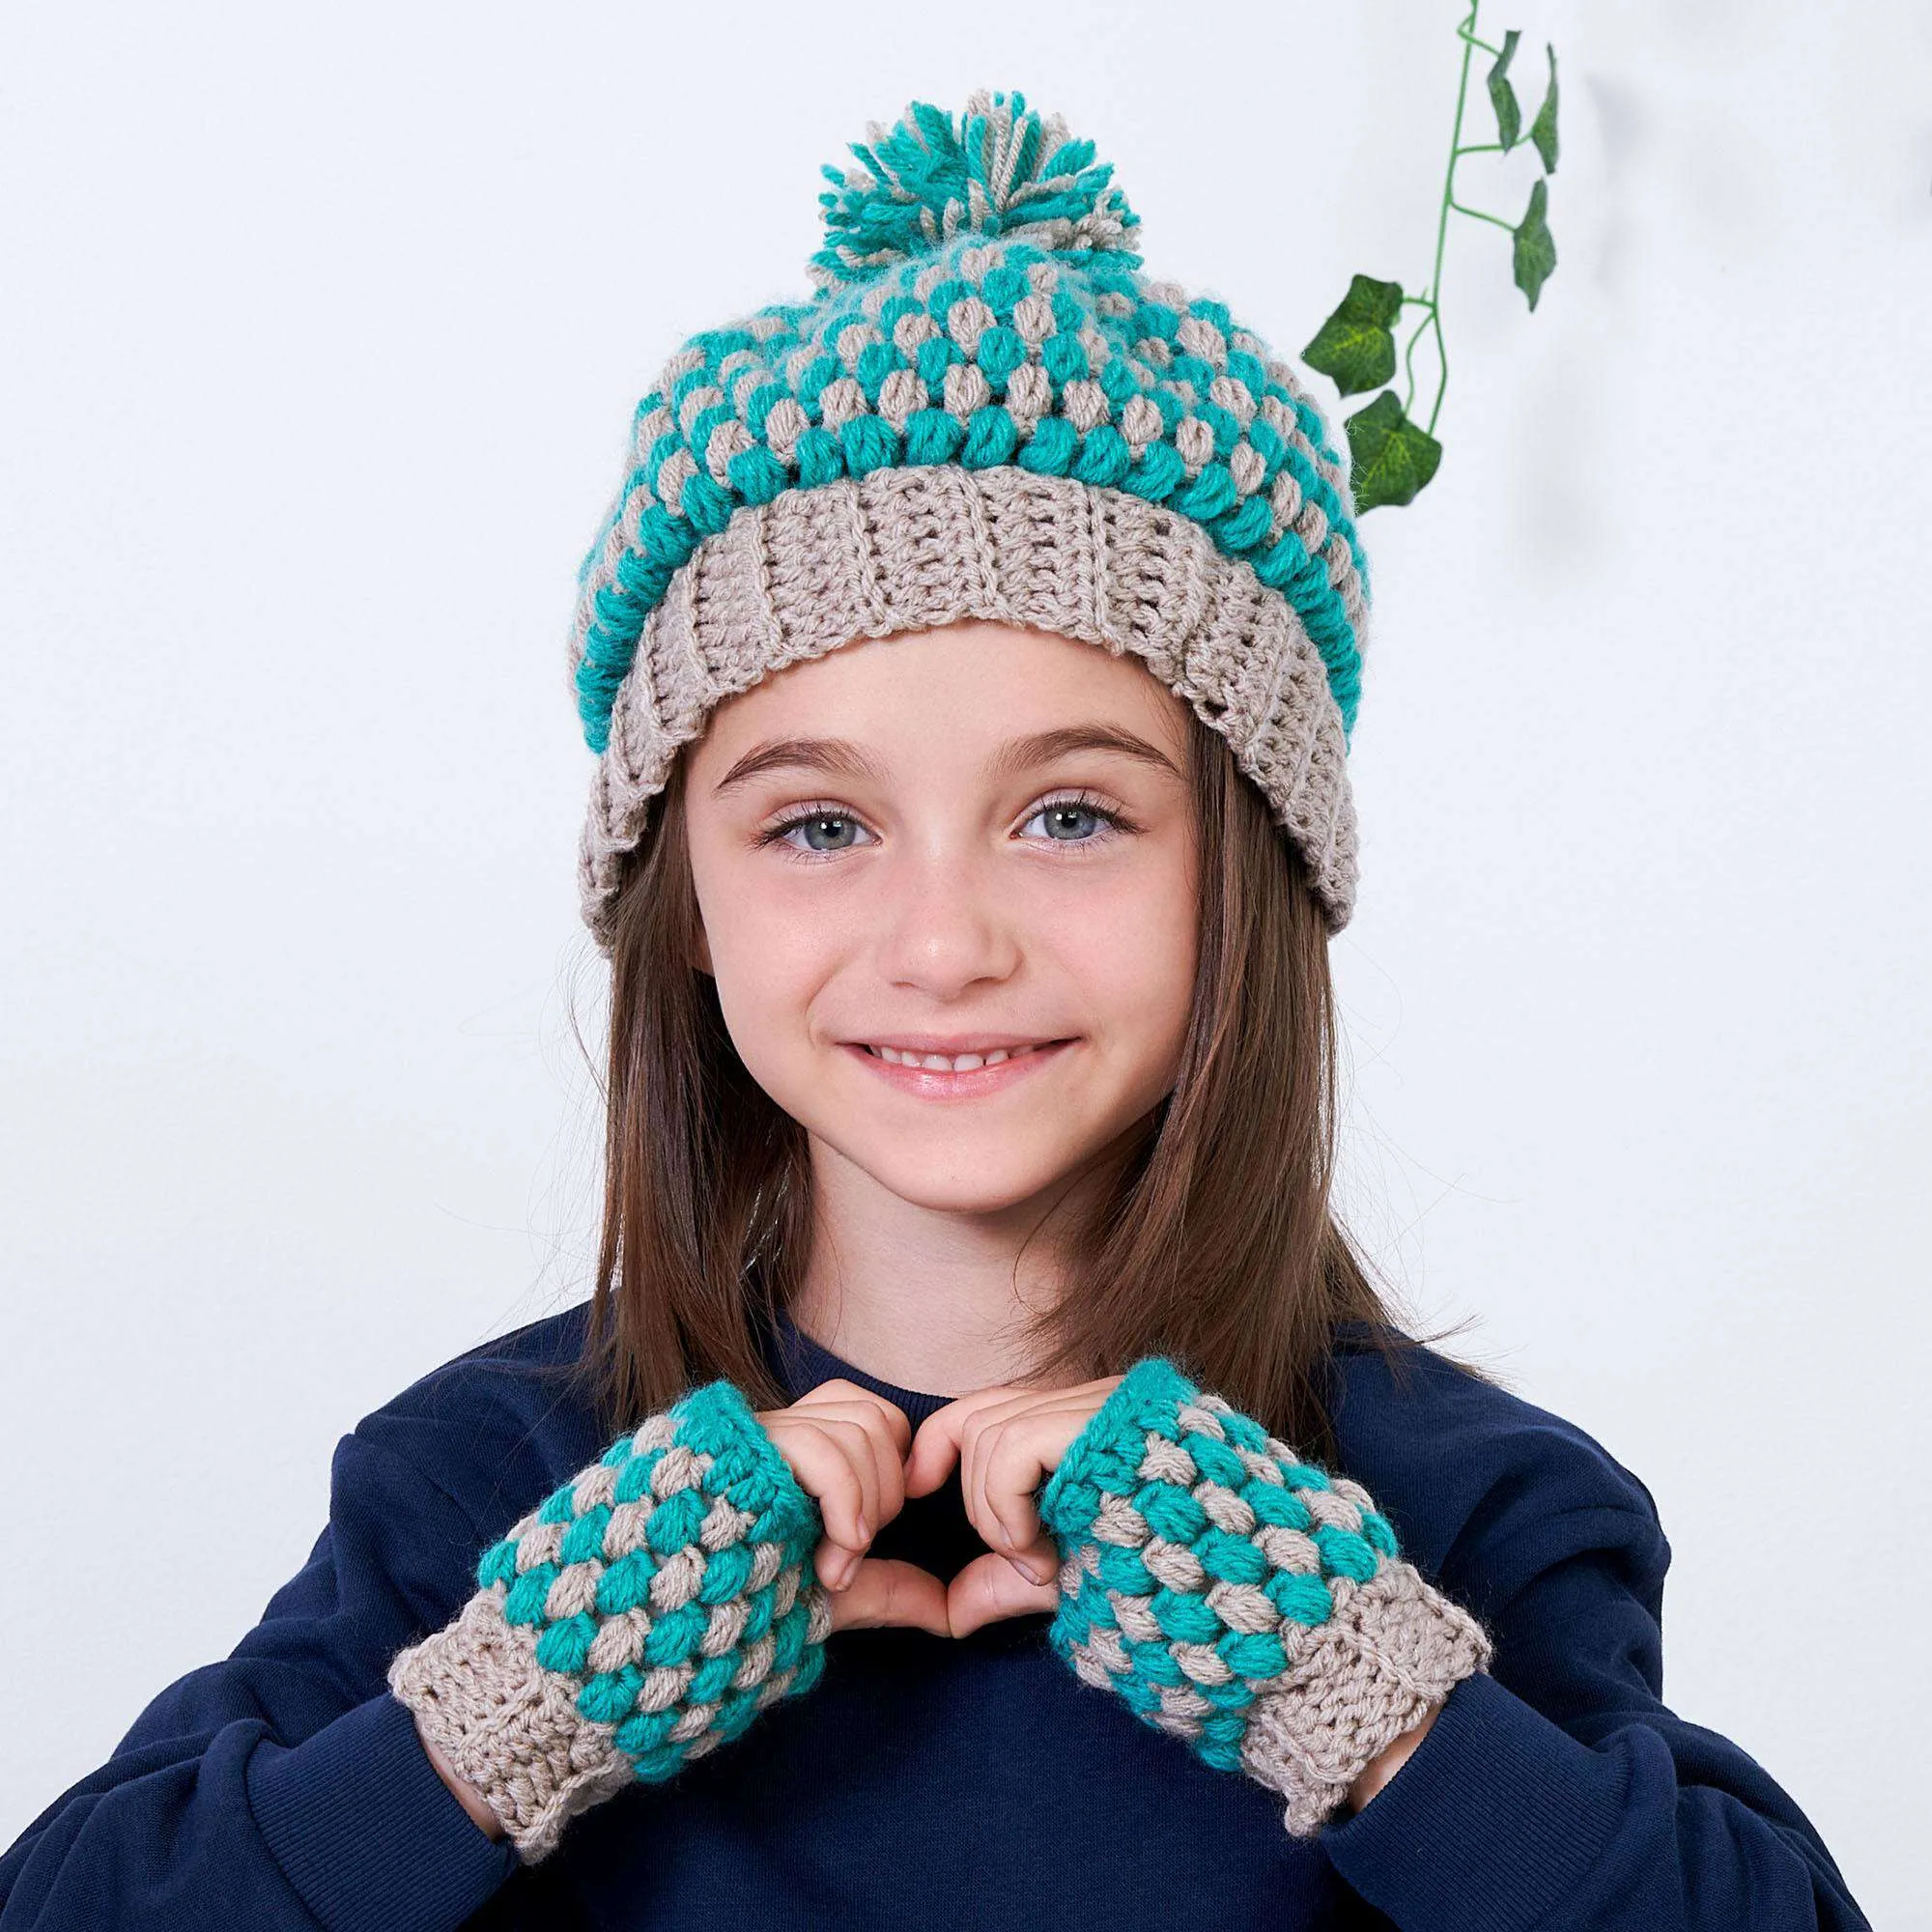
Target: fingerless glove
[(1241, 1599), (648, 1610)]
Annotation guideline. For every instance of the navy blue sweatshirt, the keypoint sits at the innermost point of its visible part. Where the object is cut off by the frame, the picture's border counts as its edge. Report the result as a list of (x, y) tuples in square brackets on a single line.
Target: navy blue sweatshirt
[(966, 1782)]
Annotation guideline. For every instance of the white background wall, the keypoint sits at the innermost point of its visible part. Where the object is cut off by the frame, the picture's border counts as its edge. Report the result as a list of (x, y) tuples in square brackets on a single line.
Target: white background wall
[(326, 325)]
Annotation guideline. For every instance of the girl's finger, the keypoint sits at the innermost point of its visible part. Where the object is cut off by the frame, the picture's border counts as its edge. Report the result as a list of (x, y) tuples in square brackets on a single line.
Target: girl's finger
[(989, 1588), (832, 1457), (940, 1439), (825, 1473), (1004, 1441), (1011, 1451), (845, 1445), (884, 1590), (936, 1442)]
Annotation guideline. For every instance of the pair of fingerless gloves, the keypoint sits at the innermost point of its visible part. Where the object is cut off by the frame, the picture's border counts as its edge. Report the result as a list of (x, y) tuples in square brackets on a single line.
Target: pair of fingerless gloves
[(1235, 1596)]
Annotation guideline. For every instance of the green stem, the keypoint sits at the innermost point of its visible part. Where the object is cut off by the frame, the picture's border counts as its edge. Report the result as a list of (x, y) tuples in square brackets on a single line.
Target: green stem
[(1482, 216), (1409, 355), (1443, 354), (1466, 32)]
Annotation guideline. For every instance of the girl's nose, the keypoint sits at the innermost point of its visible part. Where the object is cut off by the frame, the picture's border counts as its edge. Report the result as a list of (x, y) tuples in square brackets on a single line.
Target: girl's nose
[(943, 924)]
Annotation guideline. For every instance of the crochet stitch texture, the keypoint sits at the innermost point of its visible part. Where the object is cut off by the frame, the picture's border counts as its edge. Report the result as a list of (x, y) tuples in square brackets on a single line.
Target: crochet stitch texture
[(985, 411), (1241, 1599), (646, 1612)]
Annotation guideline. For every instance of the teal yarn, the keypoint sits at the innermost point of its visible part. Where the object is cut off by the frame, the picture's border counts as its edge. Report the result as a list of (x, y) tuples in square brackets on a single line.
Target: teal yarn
[(978, 304), (1201, 1556), (691, 1539), (923, 182)]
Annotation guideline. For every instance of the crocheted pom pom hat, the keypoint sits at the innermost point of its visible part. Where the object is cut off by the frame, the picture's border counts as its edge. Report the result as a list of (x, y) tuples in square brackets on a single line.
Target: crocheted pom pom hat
[(986, 411)]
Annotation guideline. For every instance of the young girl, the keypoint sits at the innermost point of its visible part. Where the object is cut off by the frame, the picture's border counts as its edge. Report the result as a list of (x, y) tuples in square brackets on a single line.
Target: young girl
[(985, 1486)]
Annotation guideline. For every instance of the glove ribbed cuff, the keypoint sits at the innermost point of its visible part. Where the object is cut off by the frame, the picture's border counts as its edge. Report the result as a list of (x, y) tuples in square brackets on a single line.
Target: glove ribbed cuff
[(1394, 1647), (507, 1725)]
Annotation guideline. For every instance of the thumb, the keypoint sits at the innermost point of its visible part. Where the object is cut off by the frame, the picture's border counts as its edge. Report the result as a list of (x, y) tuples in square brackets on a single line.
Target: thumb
[(885, 1591), (989, 1588)]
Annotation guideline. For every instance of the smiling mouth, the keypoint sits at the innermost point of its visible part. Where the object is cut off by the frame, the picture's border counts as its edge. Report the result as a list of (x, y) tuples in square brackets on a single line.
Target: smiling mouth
[(953, 1063)]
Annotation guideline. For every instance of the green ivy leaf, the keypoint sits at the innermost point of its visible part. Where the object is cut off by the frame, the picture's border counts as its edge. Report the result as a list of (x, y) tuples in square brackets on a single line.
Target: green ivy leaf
[(1535, 248), (1544, 133), (1502, 96), (1354, 345), (1390, 457)]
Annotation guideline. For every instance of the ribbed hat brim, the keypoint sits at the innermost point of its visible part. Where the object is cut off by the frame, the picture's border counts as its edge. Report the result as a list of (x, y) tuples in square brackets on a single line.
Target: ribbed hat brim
[(912, 549)]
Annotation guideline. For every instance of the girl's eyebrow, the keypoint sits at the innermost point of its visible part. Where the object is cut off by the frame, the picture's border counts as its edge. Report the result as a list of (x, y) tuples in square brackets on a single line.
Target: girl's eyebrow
[(840, 757)]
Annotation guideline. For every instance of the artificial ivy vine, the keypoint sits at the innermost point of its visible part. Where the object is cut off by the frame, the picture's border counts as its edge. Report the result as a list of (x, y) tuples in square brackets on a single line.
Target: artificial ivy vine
[(1392, 456)]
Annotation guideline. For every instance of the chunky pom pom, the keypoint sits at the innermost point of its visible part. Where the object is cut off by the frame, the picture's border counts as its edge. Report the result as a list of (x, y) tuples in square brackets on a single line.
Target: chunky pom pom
[(1004, 171)]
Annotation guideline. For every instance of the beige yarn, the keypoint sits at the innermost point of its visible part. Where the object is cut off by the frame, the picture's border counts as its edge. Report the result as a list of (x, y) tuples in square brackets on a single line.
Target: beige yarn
[(911, 549), (507, 1725), (1354, 1682), (1394, 1646)]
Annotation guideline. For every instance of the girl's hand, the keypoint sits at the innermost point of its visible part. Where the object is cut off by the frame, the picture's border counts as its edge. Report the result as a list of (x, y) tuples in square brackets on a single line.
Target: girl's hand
[(847, 1447), (1007, 1441)]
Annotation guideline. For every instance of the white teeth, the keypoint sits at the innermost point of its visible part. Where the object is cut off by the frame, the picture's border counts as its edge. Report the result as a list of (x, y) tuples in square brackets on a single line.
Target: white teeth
[(939, 1062)]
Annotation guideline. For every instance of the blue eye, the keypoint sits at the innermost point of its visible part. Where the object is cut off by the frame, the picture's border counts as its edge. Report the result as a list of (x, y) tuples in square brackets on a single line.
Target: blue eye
[(1067, 820), (811, 822)]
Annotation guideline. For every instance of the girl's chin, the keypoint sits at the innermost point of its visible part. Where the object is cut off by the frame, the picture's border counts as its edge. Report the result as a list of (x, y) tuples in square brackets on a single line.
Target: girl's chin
[(972, 1195)]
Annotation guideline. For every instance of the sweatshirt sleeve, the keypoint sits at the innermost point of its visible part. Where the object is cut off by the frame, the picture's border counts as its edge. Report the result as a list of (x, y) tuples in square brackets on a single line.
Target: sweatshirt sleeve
[(285, 1788), (1557, 1788)]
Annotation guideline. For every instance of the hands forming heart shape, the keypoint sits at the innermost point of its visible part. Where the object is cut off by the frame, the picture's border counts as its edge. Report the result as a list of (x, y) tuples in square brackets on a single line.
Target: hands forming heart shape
[(858, 1455)]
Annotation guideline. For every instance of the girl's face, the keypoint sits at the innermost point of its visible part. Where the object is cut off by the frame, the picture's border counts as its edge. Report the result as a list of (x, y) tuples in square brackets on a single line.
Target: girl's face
[(946, 842)]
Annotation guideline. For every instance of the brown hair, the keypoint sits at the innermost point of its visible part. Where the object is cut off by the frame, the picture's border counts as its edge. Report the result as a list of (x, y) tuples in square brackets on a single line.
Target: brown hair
[(1216, 1244)]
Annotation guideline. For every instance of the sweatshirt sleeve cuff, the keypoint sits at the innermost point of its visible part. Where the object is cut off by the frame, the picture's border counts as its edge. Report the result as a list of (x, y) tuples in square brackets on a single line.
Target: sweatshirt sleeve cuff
[(1498, 1803), (367, 1833)]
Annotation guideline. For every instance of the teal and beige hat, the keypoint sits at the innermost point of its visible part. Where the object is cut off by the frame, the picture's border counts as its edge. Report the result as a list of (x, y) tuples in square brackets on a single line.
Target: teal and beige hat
[(985, 411)]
